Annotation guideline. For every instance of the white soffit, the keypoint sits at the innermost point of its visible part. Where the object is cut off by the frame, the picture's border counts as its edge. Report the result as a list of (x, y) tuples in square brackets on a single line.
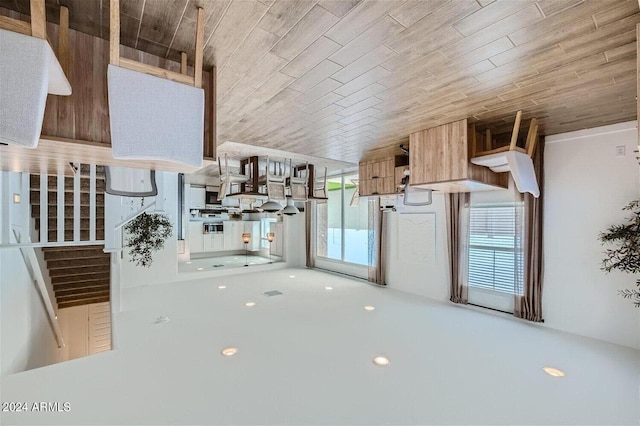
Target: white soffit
[(238, 150)]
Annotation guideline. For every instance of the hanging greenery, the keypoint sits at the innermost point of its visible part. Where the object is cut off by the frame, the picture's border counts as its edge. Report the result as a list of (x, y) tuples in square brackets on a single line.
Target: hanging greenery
[(626, 256), (146, 234)]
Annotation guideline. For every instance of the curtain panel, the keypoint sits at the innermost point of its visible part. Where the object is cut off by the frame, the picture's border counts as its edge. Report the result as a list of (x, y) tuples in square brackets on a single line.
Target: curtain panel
[(529, 305), (457, 212), (376, 243), (309, 223)]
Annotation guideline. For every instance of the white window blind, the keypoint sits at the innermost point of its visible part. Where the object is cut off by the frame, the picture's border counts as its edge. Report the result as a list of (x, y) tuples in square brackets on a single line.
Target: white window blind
[(495, 247)]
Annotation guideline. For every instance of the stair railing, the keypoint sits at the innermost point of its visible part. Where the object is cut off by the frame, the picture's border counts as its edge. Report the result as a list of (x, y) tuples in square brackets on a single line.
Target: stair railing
[(60, 211), (31, 262)]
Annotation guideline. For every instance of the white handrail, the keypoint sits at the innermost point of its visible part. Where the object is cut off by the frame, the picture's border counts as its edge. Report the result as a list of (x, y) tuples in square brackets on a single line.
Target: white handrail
[(30, 260), (133, 216)]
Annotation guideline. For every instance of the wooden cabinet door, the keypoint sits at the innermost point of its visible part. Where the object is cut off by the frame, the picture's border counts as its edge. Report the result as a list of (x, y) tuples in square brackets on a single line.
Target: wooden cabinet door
[(439, 154), (364, 170), (367, 187), (385, 185)]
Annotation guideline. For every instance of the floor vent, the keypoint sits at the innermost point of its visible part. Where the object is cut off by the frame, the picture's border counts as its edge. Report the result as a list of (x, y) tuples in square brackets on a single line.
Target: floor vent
[(272, 293)]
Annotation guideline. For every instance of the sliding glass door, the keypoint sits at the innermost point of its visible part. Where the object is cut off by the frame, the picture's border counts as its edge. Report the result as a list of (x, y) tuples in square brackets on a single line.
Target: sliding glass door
[(341, 230)]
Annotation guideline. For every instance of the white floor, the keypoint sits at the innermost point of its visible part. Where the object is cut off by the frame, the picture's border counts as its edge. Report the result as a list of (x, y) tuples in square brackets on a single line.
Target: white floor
[(305, 357)]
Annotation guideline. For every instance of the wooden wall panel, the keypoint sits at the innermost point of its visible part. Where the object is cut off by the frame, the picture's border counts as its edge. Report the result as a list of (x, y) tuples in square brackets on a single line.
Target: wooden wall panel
[(84, 115)]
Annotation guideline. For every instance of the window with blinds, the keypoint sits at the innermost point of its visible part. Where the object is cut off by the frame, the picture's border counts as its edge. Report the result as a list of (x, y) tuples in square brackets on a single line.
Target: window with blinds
[(495, 247)]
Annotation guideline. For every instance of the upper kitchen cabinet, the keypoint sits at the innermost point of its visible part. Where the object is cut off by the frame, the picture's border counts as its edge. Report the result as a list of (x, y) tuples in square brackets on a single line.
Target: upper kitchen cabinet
[(198, 194), (439, 160), (378, 176)]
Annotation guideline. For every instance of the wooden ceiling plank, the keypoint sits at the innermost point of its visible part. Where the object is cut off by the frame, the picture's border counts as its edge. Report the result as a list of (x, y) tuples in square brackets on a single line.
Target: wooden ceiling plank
[(304, 33), (443, 17), (320, 90), (372, 76), (338, 7), (317, 52), (316, 75), (562, 25), (377, 34), (160, 20), (412, 11), (251, 51), (364, 64), (234, 26), (360, 95), (283, 14), (552, 7), (359, 19), (492, 13)]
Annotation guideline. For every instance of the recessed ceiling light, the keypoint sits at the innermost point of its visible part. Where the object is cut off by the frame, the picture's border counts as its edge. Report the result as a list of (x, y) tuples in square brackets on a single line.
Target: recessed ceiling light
[(553, 372), (250, 304), (292, 276), (200, 269), (381, 361), (369, 308), (189, 263), (235, 258), (328, 288), (222, 287), (229, 351)]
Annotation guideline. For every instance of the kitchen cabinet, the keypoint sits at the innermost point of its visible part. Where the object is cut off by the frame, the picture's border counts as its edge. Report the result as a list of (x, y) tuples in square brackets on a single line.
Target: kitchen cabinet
[(233, 230), (378, 176), (198, 194), (439, 160), (196, 237), (214, 242)]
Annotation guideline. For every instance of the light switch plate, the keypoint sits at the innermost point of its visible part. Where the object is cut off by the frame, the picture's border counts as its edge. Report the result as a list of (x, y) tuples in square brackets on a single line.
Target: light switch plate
[(620, 151)]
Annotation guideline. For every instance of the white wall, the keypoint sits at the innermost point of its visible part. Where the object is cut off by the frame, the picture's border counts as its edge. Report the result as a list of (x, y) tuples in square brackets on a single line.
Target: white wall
[(586, 186), (430, 278), (165, 262), (27, 340)]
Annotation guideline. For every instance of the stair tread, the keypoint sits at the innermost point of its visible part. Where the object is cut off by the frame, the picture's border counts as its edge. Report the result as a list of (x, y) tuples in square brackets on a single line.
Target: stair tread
[(88, 284), (83, 302)]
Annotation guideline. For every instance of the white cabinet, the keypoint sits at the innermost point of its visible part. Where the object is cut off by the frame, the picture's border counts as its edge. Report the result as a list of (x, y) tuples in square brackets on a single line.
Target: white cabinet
[(196, 237), (197, 197), (278, 241), (213, 242), (253, 227), (233, 230)]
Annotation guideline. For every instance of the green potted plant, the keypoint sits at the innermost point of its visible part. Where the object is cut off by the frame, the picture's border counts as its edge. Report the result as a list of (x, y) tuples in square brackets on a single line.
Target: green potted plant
[(147, 234), (626, 254)]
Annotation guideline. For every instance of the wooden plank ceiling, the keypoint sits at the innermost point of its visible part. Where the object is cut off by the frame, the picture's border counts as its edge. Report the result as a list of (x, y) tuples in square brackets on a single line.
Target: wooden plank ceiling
[(337, 78)]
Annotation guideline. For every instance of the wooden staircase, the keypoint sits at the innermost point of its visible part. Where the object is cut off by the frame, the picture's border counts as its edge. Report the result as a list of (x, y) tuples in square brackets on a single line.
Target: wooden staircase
[(80, 274)]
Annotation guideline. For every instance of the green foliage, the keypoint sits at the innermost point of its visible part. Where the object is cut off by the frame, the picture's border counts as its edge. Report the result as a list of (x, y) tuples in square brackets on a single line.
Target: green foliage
[(147, 234), (626, 254)]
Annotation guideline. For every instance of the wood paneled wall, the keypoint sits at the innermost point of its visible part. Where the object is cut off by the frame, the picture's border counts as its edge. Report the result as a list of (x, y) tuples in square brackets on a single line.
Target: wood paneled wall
[(84, 116)]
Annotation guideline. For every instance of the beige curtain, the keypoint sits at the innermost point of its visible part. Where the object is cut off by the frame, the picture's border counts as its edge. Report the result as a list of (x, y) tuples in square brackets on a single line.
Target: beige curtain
[(457, 212), (376, 244), (308, 232), (529, 305)]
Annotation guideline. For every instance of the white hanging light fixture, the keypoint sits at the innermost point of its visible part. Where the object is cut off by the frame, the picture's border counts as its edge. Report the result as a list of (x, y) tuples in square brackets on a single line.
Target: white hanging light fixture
[(290, 209), (271, 206)]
